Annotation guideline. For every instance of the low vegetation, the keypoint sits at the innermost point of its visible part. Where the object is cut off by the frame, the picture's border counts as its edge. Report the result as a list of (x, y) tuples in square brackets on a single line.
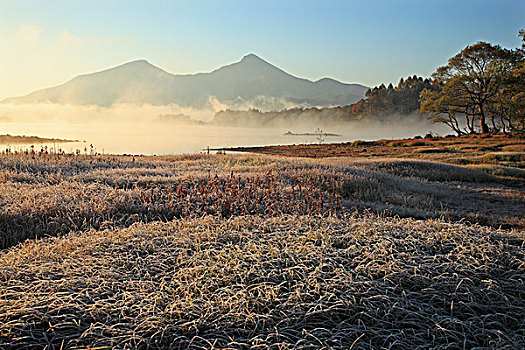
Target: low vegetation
[(481, 152), (250, 282), (50, 194), (258, 251)]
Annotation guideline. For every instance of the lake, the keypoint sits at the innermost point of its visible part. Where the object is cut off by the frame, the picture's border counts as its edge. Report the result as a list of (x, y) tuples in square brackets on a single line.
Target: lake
[(137, 129), (142, 138)]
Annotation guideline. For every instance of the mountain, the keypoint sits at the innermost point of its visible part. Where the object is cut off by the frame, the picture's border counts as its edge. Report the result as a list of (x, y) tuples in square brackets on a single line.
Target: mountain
[(250, 80)]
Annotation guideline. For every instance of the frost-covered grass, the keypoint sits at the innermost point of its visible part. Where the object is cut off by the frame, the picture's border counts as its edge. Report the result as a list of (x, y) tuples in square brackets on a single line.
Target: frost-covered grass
[(304, 282), (51, 194), (257, 252), (474, 150)]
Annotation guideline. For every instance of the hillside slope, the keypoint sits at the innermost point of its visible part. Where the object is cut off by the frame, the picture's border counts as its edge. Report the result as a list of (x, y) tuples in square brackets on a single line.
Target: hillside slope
[(251, 79)]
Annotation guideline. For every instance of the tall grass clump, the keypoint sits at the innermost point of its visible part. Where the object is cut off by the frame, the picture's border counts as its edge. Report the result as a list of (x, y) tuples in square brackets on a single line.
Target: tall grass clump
[(253, 282), (48, 194)]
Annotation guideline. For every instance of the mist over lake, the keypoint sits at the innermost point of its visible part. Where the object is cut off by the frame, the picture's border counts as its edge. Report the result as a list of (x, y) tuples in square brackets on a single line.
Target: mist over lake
[(151, 137)]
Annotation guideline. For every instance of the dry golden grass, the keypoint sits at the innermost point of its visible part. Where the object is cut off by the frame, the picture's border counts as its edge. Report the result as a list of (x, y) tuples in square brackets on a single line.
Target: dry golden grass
[(257, 252), (498, 151), (302, 282), (47, 194)]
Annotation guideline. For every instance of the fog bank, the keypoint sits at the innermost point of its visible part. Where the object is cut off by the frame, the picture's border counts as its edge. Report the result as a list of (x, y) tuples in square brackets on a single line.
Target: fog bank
[(174, 130)]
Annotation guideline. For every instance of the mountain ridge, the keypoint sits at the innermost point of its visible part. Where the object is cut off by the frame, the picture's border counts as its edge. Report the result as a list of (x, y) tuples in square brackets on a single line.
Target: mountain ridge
[(239, 83)]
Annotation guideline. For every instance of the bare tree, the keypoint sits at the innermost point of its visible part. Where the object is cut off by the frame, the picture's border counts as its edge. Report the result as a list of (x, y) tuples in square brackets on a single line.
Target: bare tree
[(320, 136)]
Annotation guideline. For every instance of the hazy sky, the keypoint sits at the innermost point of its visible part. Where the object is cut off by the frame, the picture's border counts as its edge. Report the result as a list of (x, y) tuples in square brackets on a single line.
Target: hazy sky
[(45, 43)]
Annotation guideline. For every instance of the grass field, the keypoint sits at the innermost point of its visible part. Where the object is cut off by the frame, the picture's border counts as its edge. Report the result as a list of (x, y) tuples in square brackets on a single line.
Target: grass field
[(498, 155), (258, 251)]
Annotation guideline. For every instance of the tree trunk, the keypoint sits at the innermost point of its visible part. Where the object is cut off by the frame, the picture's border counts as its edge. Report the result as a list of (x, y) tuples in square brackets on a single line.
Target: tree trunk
[(484, 126), (503, 124), (454, 124), (470, 124), (493, 122), (482, 121)]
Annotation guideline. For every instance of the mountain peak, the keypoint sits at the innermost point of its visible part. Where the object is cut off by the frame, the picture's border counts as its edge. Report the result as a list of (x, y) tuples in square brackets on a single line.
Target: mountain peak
[(251, 57), (141, 61), (138, 63), (249, 64)]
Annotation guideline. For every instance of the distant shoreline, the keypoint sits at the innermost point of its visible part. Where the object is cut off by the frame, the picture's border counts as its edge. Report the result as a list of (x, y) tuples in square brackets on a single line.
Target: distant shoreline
[(289, 133), (22, 139)]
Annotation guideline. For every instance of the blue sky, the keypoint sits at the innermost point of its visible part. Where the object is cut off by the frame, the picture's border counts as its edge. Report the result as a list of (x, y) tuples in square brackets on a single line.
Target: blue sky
[(45, 43)]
